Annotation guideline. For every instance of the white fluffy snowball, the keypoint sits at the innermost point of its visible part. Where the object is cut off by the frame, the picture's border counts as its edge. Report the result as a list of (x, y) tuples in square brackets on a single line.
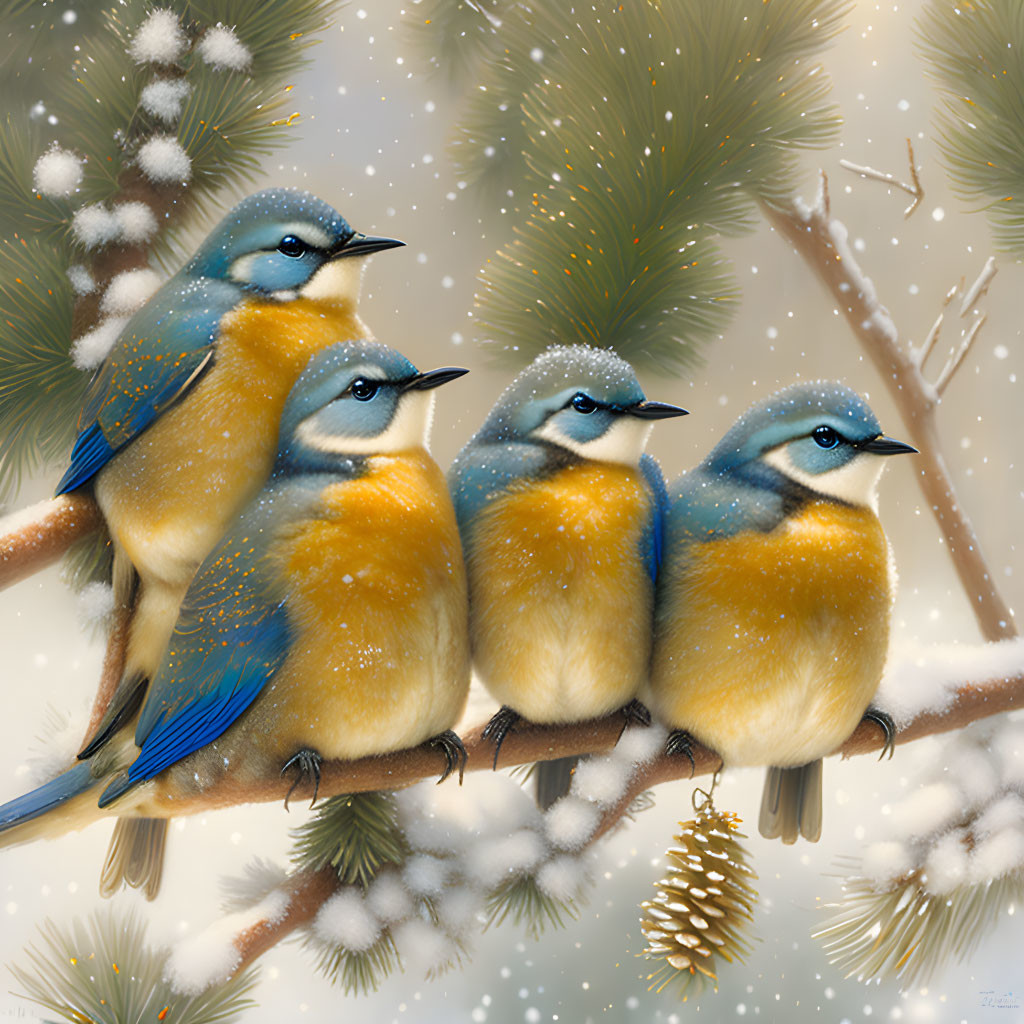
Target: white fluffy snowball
[(164, 98), (886, 861), (638, 745), (388, 897), (493, 860), (58, 172), (601, 779), (223, 50), (571, 822), (346, 920), (129, 291), (135, 221), (89, 350), (81, 280), (946, 864), (562, 878), (422, 945), (425, 875), (94, 226), (164, 160), (932, 808), (159, 40)]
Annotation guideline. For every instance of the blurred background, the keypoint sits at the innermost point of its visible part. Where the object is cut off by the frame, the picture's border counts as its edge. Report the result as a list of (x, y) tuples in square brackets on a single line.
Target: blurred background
[(372, 140)]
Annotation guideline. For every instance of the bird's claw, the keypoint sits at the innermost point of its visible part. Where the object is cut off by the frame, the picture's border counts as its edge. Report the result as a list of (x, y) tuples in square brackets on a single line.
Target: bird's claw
[(500, 725), (885, 722), (308, 763), (636, 713), (454, 751), (681, 742)]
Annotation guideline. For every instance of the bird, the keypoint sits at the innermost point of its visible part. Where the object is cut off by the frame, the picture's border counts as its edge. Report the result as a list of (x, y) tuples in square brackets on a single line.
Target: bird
[(179, 424), (560, 513), (330, 621), (774, 600)]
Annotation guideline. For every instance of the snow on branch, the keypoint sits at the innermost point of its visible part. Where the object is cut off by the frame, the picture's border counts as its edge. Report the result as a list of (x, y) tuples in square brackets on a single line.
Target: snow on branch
[(913, 188), (821, 242)]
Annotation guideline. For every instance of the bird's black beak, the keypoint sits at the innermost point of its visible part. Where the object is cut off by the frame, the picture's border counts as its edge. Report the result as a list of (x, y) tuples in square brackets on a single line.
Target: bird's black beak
[(433, 378), (362, 245), (883, 445), (655, 411)]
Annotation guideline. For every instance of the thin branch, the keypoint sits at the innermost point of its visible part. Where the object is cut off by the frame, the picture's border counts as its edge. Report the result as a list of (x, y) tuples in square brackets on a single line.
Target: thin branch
[(821, 242), (980, 286), (914, 188), (34, 537), (956, 358), (310, 889), (920, 355)]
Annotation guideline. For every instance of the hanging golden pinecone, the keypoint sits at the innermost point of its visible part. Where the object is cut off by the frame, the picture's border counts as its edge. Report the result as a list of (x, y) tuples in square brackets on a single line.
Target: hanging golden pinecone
[(704, 904)]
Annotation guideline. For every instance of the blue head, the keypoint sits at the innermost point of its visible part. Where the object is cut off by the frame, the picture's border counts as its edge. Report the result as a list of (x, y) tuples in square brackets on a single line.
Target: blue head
[(823, 435), (584, 400), (282, 243), (356, 399)]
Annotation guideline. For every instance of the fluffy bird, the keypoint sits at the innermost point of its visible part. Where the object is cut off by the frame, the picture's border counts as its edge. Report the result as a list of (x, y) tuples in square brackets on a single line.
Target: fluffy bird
[(329, 622), (774, 600), (560, 515), (179, 426)]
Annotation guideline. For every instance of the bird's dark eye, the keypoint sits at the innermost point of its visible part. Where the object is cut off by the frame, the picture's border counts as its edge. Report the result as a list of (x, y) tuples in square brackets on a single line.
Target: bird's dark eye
[(825, 436), (583, 403), (363, 390), (291, 246)]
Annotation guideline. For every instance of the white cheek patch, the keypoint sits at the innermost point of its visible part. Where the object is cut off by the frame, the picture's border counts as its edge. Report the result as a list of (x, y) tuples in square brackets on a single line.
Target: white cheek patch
[(623, 442), (409, 428), (855, 482), (337, 282), (241, 269)]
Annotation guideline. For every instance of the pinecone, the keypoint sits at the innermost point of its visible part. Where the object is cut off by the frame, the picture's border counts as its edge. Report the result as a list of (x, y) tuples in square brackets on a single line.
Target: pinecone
[(704, 904)]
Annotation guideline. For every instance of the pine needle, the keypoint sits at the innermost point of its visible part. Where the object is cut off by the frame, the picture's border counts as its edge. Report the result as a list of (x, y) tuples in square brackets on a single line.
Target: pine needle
[(100, 971)]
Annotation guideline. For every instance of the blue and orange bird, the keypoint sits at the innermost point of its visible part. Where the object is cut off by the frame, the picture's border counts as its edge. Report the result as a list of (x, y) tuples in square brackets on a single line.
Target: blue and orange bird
[(179, 426), (775, 595), (329, 622), (560, 515)]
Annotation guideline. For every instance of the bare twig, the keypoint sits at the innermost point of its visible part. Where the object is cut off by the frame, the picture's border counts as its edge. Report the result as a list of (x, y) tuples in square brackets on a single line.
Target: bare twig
[(914, 188), (822, 245), (980, 286), (956, 358), (32, 538)]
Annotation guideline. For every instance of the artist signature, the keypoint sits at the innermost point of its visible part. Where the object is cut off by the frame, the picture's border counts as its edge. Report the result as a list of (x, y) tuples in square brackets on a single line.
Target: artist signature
[(999, 1000)]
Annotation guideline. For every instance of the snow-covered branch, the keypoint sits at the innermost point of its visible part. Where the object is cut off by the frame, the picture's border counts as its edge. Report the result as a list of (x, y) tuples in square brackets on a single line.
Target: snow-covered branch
[(822, 242), (912, 188), (927, 692), (33, 537)]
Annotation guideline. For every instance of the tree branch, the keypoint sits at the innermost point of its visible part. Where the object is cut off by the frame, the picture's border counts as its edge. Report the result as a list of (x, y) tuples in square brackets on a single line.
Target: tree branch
[(308, 890), (822, 244), (32, 538), (914, 189)]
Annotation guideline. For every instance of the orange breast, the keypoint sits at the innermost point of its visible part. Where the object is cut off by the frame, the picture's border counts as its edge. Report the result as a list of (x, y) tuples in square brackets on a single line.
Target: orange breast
[(560, 601), (771, 645), (380, 659)]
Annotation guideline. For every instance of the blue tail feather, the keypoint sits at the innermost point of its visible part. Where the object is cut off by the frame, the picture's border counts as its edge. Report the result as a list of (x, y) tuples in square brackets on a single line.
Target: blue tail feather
[(51, 794)]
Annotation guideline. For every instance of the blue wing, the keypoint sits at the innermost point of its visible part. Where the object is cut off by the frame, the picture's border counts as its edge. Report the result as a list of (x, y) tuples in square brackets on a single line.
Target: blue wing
[(155, 360), (652, 540), (232, 635)]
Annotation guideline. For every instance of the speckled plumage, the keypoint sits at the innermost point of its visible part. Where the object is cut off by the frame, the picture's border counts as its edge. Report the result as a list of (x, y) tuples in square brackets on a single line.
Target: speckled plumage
[(179, 426), (332, 617), (561, 547), (776, 588)]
